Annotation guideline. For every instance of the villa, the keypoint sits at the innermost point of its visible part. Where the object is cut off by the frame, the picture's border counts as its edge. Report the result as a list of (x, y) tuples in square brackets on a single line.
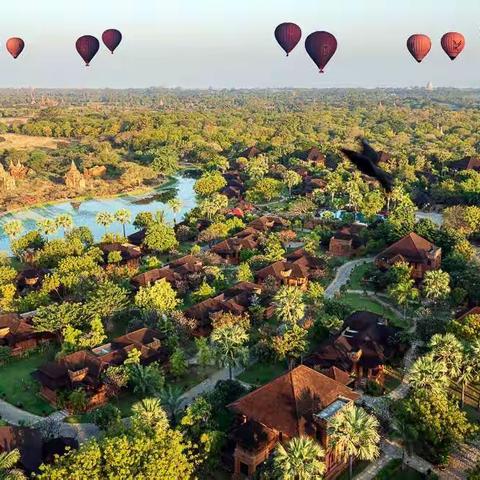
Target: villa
[(363, 347), (300, 402), (418, 252), (346, 242)]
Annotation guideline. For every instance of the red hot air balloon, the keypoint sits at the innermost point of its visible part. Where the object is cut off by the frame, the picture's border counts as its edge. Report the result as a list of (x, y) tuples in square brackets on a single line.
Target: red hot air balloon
[(15, 46), (419, 46), (453, 43), (111, 38), (321, 46), (288, 35), (87, 47)]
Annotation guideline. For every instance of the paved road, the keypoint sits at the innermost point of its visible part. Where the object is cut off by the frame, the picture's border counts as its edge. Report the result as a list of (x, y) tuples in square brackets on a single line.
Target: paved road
[(343, 275)]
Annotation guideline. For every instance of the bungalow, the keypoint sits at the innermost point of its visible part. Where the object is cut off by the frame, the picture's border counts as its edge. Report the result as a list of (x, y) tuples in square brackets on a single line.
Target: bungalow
[(176, 272), (236, 300), (130, 253), (346, 242), (364, 345), (296, 270), (229, 249), (315, 157), (84, 369), (268, 222), (418, 252), (18, 334), (467, 163), (301, 402)]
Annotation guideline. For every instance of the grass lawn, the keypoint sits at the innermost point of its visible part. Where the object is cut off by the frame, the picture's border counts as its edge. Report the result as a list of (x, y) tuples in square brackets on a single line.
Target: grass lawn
[(19, 388), (362, 302), (194, 376), (357, 276), (261, 373), (393, 471)]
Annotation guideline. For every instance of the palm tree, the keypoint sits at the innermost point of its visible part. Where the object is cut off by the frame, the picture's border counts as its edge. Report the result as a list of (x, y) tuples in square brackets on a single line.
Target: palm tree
[(47, 226), (150, 412), (289, 306), (300, 459), (403, 293), (64, 221), (8, 460), (171, 400), (229, 343), (354, 434), (447, 349), (13, 229), (436, 285), (123, 216), (105, 219), (428, 373), (175, 205), (466, 375)]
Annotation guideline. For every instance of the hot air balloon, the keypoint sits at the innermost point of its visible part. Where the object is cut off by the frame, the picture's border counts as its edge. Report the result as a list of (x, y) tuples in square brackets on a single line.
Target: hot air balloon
[(87, 47), (453, 44), (15, 46), (288, 35), (111, 38), (321, 46), (419, 45)]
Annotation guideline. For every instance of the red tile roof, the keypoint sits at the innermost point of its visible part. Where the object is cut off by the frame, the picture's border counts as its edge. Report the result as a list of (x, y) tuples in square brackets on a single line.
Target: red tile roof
[(412, 247), (287, 403)]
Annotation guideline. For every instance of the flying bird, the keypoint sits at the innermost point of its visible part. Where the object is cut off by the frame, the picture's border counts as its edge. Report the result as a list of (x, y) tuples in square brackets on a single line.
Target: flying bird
[(367, 162)]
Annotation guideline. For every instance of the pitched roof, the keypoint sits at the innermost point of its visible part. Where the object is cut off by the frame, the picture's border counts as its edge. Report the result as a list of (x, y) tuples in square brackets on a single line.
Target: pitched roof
[(339, 375), (412, 247), (287, 403), (467, 163), (472, 311)]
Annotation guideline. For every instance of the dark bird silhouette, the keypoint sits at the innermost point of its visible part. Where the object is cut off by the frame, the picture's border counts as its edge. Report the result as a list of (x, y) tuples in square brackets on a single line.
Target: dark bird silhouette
[(367, 162)]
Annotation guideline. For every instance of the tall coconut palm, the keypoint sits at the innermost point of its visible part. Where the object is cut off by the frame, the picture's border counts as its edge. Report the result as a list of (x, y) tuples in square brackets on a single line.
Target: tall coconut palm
[(448, 350), (8, 460), (13, 229), (428, 373), (149, 411), (47, 226), (230, 346), (123, 216), (354, 434), (300, 459), (64, 221), (403, 293), (175, 205), (289, 305), (105, 219)]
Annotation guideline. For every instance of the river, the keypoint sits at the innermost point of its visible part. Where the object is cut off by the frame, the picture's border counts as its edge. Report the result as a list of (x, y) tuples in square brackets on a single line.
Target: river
[(84, 213)]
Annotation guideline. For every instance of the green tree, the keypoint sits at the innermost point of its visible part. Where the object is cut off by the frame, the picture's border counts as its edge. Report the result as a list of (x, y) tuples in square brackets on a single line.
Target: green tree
[(13, 229), (105, 219), (291, 179), (274, 250), (301, 458), (145, 379), (47, 226), (178, 363), (160, 297), (160, 237), (428, 374), (354, 434), (123, 216), (209, 183), (404, 292), (230, 346), (171, 399), (64, 221), (205, 352), (149, 412), (290, 344), (244, 273), (175, 205)]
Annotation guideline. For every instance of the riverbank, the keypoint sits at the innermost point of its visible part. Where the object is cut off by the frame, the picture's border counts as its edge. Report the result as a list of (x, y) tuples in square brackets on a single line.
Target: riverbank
[(164, 183)]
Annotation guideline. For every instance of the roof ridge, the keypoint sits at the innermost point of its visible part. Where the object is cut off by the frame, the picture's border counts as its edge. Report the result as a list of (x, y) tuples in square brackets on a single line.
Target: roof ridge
[(294, 393)]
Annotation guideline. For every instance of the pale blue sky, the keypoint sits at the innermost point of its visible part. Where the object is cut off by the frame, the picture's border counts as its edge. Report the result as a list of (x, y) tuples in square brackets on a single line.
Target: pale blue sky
[(229, 43)]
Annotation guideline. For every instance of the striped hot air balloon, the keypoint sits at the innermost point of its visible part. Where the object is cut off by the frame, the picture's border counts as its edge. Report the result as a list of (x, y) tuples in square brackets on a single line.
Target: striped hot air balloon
[(419, 46), (288, 35)]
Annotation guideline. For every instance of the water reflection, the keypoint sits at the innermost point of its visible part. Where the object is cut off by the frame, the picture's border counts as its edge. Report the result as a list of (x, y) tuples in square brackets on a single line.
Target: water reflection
[(84, 213)]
